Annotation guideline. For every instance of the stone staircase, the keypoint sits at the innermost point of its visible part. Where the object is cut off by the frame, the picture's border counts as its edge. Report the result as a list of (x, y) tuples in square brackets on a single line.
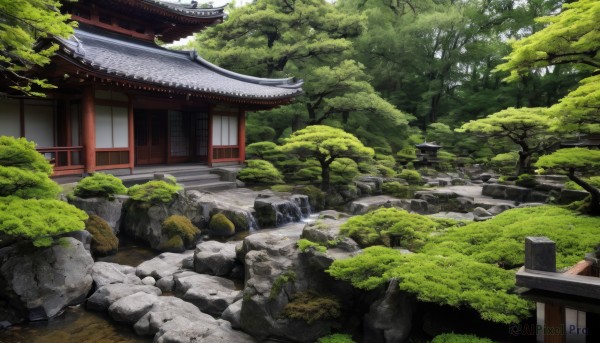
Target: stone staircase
[(192, 177)]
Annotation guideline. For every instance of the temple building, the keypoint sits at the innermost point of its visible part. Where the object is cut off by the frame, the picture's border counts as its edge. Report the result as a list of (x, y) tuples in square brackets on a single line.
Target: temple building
[(123, 101)]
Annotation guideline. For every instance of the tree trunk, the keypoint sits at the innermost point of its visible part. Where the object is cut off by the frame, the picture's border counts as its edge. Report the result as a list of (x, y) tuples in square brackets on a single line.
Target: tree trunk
[(325, 177), (523, 165), (594, 208)]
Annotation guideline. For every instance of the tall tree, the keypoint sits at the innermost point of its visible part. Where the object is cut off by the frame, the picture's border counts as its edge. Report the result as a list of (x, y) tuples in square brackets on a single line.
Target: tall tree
[(308, 39), (22, 24)]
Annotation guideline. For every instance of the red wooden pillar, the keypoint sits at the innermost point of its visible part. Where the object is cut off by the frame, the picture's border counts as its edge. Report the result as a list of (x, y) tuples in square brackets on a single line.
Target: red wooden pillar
[(209, 159), (131, 137), (554, 323), (88, 128), (242, 135)]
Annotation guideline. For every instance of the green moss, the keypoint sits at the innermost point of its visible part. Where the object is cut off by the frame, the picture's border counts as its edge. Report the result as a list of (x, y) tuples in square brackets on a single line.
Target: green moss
[(593, 181), (336, 338), (316, 197), (280, 281), (174, 243), (310, 307), (38, 219), (181, 226), (104, 241), (260, 172), (304, 244), (220, 225), (456, 338), (526, 180), (283, 188), (99, 185), (155, 191)]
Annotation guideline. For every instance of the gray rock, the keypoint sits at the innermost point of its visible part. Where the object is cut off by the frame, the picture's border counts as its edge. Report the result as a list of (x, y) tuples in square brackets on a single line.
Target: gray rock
[(389, 319), (274, 211), (163, 265), (131, 308), (367, 204), (326, 231), (83, 236), (232, 314), (568, 196), (214, 258), (444, 201), (183, 330), (108, 294), (211, 294), (507, 192), (166, 284), (481, 214), (188, 263), (105, 273), (497, 209), (458, 182), (419, 206), (167, 309), (107, 209), (41, 282)]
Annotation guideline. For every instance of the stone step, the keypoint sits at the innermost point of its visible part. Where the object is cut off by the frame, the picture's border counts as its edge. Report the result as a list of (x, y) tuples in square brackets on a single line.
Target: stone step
[(198, 177), (212, 187)]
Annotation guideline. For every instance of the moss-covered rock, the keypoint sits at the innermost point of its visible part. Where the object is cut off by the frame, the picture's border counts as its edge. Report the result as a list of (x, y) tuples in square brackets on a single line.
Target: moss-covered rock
[(104, 241), (221, 226), (311, 307), (173, 244), (182, 227)]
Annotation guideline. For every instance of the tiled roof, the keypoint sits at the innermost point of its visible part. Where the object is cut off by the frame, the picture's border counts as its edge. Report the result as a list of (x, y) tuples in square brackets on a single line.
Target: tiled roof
[(148, 63), (428, 145), (188, 10)]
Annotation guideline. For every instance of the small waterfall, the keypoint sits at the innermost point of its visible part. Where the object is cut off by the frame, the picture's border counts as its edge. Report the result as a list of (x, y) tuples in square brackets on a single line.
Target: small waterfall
[(275, 211)]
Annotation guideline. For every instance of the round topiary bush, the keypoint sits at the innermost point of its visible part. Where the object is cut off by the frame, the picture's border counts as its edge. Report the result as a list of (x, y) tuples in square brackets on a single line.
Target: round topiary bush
[(99, 185), (181, 226), (260, 172), (155, 191), (396, 189), (221, 226), (104, 241), (411, 176)]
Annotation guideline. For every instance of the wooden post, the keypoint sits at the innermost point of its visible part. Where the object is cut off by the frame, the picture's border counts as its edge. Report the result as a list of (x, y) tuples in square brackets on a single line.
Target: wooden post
[(88, 129), (131, 137), (209, 158), (242, 135), (540, 254), (554, 323)]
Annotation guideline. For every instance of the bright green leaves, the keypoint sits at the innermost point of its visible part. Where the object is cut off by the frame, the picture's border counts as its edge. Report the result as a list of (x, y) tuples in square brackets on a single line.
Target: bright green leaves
[(22, 24), (577, 158), (261, 172)]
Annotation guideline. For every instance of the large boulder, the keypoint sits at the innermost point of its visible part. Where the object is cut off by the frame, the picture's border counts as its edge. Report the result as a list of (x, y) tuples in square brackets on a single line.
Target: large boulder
[(276, 210), (507, 192), (108, 209), (232, 314), (215, 258), (166, 309), (568, 196), (211, 294), (163, 265), (41, 282), (183, 330), (131, 308), (445, 201), (107, 295), (105, 273), (367, 204), (390, 318)]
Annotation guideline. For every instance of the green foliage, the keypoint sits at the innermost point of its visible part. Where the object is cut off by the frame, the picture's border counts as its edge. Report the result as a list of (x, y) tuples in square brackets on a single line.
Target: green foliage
[(594, 181), (259, 133), (456, 338), (280, 281), (177, 225), (260, 172), (38, 219), (411, 176), (454, 280), (22, 24), (104, 241), (310, 307), (336, 338), (220, 225), (406, 155), (562, 160), (504, 163), (155, 191), (388, 226), (526, 180), (396, 189), (99, 185), (304, 244), (23, 171), (326, 145), (500, 240), (261, 150), (343, 171)]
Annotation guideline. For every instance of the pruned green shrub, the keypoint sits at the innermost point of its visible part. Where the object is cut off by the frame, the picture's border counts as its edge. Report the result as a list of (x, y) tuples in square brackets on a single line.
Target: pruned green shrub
[(260, 172), (456, 338), (593, 181), (177, 225), (261, 150), (411, 176), (455, 280), (505, 163), (406, 155), (155, 191), (26, 184), (385, 171), (390, 227), (20, 153), (336, 338), (221, 226), (310, 307), (396, 189), (526, 180), (104, 241), (343, 171), (259, 133), (38, 219), (99, 185)]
